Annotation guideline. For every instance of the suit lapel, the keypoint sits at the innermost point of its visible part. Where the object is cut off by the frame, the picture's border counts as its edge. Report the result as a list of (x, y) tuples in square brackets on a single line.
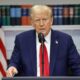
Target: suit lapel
[(33, 53), (54, 52)]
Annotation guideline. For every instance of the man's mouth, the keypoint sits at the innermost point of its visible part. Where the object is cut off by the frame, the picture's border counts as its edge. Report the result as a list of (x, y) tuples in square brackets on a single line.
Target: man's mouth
[(42, 31)]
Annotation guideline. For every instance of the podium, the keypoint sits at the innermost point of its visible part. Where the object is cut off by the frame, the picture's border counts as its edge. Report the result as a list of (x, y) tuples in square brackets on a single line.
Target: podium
[(42, 78)]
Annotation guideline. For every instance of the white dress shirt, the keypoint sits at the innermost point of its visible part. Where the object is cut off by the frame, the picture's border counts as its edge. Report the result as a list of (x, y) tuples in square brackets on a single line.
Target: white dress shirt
[(47, 43)]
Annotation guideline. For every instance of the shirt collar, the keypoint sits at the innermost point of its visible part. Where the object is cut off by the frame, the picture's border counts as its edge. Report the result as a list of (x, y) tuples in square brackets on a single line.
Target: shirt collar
[(48, 37)]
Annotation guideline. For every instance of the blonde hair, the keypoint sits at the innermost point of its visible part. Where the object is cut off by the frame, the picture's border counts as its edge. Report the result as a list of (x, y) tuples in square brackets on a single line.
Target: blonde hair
[(40, 8)]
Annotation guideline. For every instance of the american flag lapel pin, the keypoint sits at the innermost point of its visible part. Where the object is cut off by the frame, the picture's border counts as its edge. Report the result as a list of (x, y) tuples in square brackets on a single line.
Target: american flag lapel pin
[(56, 42)]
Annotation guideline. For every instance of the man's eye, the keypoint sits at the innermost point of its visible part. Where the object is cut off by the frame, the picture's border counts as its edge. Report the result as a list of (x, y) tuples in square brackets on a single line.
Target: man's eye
[(37, 20), (44, 19)]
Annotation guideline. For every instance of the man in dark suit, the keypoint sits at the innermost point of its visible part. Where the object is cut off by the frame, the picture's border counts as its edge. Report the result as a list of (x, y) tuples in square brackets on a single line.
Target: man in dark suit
[(62, 53)]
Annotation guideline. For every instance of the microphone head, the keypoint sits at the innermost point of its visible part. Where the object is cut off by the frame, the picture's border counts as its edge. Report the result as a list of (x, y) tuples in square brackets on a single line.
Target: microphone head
[(41, 37)]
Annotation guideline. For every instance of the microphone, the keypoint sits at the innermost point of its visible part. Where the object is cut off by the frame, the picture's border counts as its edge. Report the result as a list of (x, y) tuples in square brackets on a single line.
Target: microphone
[(41, 38)]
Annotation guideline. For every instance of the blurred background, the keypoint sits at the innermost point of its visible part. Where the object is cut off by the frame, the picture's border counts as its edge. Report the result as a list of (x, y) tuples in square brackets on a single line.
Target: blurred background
[(14, 19)]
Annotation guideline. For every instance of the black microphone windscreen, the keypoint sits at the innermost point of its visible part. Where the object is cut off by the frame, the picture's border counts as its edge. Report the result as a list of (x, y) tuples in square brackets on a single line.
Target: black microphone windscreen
[(41, 37)]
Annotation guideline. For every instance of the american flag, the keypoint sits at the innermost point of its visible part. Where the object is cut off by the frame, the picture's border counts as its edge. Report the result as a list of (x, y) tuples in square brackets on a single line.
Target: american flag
[(3, 57)]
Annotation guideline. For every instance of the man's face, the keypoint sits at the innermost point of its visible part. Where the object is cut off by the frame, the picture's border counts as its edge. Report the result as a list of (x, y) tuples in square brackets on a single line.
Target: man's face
[(42, 22)]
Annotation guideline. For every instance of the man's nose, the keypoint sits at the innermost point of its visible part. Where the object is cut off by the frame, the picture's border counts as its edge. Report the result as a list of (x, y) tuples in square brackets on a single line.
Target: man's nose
[(41, 23)]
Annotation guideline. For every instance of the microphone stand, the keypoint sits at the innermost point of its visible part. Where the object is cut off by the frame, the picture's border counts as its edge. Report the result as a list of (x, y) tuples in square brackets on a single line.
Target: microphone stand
[(42, 42)]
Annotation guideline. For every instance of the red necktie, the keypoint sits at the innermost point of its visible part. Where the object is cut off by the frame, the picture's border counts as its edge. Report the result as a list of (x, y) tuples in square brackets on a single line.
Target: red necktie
[(46, 62)]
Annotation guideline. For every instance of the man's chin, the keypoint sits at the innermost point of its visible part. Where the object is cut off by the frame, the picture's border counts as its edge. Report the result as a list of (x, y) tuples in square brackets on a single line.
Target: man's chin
[(43, 33)]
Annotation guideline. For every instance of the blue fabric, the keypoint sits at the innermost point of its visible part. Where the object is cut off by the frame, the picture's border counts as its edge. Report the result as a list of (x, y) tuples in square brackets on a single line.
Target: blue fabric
[(63, 54)]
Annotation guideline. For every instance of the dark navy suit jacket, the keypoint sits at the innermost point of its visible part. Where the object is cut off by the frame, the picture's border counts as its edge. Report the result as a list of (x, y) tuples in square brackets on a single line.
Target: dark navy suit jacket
[(63, 54)]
